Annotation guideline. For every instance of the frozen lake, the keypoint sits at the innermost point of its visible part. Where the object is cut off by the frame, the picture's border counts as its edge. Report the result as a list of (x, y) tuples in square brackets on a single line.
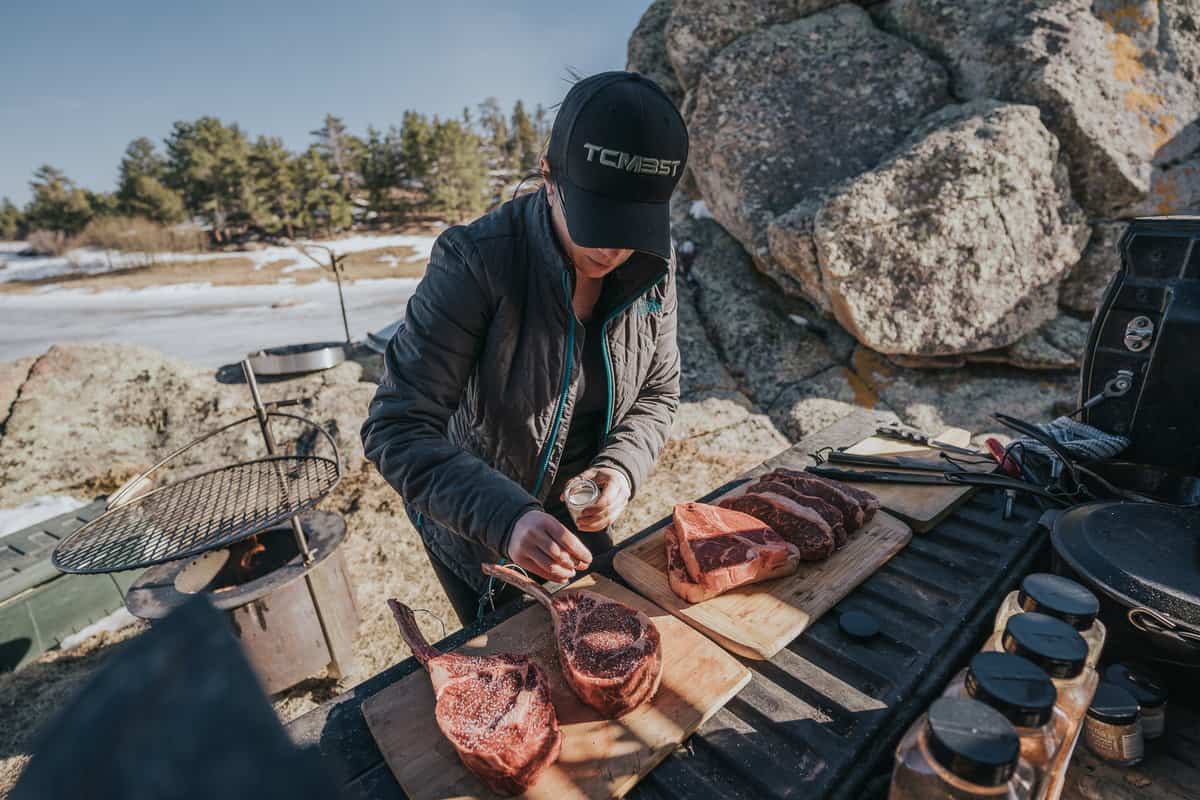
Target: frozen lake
[(200, 323)]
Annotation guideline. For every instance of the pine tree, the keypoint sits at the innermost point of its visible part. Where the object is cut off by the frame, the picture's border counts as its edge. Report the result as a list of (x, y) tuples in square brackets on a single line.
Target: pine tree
[(208, 164), (381, 167), (57, 204), (321, 202), (12, 221), (140, 188), (276, 204), (341, 151), (457, 177), (524, 146), (494, 131), (415, 137)]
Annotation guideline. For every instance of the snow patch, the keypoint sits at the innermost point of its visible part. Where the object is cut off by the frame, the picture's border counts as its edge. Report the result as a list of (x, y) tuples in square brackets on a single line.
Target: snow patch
[(117, 620), (36, 510), (699, 210)]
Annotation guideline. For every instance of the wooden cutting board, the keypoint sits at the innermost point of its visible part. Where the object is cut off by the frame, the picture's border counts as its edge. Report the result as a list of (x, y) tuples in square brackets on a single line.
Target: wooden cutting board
[(922, 507), (600, 757), (759, 619)]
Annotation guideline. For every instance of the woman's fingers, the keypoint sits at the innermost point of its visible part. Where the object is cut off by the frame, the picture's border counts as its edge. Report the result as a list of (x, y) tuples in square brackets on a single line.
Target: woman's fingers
[(574, 551), (539, 562)]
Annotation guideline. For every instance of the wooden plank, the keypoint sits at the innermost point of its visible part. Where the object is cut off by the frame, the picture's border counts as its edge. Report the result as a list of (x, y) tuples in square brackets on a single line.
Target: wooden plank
[(758, 620), (600, 757), (921, 507)]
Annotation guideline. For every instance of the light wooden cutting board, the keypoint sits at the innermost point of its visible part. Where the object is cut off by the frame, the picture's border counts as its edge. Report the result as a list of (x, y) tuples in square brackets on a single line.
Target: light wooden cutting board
[(759, 619), (922, 507), (600, 757)]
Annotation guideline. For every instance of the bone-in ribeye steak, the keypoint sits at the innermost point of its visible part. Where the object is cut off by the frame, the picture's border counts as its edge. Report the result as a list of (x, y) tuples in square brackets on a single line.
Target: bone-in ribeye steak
[(610, 654), (710, 550), (495, 710)]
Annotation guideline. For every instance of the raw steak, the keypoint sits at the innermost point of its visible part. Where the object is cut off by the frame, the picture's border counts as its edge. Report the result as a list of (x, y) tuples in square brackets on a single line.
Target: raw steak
[(710, 550), (610, 654), (857, 506), (495, 710), (799, 525), (823, 508)]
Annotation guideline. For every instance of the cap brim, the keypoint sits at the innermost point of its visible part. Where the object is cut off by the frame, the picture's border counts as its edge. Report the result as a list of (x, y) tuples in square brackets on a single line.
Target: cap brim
[(594, 220)]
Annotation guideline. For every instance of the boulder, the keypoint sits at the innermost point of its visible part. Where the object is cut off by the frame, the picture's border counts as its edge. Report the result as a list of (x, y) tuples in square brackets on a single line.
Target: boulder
[(808, 406), (1083, 287), (1056, 345), (647, 49), (790, 109), (698, 29), (766, 340), (957, 242), (1118, 81)]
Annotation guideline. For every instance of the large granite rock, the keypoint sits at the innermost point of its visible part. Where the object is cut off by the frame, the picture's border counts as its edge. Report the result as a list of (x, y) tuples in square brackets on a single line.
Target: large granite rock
[(647, 49), (698, 29), (1083, 287), (1118, 81), (958, 241), (791, 109)]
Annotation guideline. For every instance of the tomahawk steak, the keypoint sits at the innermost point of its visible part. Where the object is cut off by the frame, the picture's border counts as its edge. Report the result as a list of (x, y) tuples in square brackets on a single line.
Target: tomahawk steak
[(711, 549), (610, 654), (495, 710)]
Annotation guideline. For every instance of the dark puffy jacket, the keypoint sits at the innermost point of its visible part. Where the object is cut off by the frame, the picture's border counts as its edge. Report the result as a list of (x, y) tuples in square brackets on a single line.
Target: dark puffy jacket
[(472, 414)]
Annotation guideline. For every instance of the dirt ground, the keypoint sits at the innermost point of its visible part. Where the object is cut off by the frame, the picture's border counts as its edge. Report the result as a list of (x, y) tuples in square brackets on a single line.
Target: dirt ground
[(233, 270)]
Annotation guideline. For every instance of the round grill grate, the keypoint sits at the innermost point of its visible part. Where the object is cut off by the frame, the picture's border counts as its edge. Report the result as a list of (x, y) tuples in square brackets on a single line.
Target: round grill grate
[(197, 514)]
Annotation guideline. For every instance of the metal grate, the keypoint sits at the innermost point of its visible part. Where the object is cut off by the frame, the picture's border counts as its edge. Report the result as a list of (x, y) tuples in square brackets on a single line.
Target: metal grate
[(197, 514)]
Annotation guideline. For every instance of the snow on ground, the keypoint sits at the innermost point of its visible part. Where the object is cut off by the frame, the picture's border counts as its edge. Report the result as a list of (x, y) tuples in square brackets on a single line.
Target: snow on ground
[(699, 210), (115, 621), (36, 510), (14, 267), (205, 324)]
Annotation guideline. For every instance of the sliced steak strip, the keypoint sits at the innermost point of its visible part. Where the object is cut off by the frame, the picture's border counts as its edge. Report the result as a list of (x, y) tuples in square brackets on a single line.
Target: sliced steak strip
[(495, 710), (799, 525), (828, 511), (711, 550), (610, 654)]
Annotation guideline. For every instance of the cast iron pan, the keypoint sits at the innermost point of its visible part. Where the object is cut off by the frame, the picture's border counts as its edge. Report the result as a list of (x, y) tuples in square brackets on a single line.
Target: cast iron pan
[(1143, 561)]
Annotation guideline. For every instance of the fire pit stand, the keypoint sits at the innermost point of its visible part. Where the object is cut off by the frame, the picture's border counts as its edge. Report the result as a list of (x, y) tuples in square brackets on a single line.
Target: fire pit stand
[(246, 535)]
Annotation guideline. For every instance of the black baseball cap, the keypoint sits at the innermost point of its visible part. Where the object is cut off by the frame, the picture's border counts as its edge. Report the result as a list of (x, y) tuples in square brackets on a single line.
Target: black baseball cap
[(617, 149)]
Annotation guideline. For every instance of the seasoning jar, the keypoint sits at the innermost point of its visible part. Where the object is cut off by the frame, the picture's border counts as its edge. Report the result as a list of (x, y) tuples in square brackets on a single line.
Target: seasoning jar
[(1061, 653), (1061, 598), (1148, 691), (580, 493), (1023, 693), (960, 749), (1113, 729)]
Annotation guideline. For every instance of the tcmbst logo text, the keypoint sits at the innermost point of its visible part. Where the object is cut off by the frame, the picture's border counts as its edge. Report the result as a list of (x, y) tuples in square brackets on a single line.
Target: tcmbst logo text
[(631, 163)]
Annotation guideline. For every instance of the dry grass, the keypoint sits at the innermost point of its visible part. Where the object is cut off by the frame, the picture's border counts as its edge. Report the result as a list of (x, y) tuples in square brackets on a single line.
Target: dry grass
[(139, 235), (47, 243)]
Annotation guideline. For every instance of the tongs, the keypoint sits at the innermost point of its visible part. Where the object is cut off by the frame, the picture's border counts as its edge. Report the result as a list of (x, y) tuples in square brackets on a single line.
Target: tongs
[(962, 478)]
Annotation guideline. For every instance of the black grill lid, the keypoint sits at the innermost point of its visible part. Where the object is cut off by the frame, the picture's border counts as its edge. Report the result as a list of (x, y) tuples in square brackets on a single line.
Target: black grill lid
[(1050, 643), (1141, 554), (1014, 686), (1059, 597), (973, 741)]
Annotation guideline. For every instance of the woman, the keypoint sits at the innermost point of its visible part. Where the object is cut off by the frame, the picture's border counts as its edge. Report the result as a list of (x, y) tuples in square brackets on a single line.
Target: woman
[(540, 345)]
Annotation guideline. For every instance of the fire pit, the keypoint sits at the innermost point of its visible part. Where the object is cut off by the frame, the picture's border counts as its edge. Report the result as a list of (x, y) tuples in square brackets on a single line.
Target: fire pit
[(246, 535), (259, 583)]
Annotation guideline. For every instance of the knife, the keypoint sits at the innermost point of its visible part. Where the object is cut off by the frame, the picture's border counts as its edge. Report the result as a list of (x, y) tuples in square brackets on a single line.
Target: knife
[(917, 437)]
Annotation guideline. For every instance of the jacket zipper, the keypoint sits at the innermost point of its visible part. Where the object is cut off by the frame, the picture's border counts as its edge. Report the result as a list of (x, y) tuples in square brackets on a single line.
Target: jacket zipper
[(566, 387), (608, 373)]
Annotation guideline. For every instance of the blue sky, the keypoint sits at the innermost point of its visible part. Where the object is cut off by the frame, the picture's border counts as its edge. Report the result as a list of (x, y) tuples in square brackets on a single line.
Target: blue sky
[(79, 80)]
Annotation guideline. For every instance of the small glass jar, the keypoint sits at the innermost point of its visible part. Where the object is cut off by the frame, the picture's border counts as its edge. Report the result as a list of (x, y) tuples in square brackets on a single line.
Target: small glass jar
[(960, 749), (1061, 598), (580, 493), (1148, 691), (1060, 651), (1025, 695), (1113, 728)]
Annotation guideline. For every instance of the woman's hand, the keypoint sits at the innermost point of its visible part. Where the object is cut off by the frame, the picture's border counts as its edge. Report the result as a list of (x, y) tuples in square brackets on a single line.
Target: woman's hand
[(542, 545), (614, 496)]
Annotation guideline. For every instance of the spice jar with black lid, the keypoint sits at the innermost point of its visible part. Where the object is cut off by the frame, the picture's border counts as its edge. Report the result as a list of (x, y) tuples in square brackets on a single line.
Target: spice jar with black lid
[(1061, 653), (960, 749), (1150, 693), (1025, 695), (1061, 598), (1113, 729)]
